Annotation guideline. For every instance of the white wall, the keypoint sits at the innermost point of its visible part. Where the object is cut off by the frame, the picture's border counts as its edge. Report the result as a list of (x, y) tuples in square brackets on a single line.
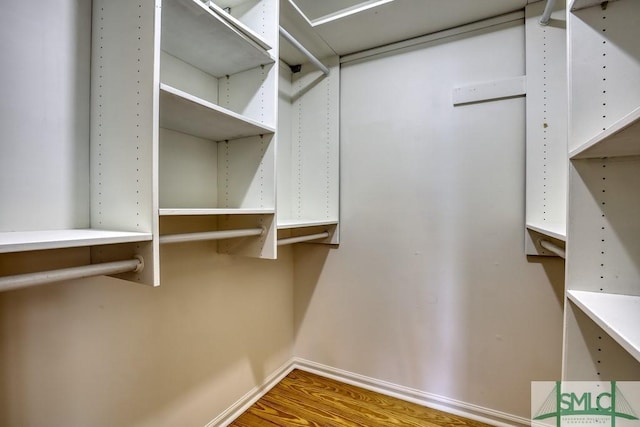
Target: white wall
[(103, 352), (430, 288)]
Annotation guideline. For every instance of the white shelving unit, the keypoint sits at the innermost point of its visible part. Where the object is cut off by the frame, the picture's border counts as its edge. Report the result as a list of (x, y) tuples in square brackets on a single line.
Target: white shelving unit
[(308, 133), (217, 116), (603, 254), (546, 179), (160, 117), (76, 151), (152, 109)]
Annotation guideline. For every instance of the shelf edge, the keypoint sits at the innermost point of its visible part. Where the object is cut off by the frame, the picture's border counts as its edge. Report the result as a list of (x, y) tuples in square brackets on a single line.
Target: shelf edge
[(291, 224), (31, 242), (548, 232), (213, 211), (612, 331), (607, 135), (213, 107)]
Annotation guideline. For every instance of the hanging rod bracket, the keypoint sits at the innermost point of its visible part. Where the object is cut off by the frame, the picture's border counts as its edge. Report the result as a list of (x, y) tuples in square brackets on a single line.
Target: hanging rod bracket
[(140, 266), (295, 68)]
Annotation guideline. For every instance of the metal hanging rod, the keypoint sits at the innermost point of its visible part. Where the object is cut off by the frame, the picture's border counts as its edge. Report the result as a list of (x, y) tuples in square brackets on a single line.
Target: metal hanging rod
[(9, 283), (315, 61), (553, 248), (299, 239), (546, 15), (210, 235)]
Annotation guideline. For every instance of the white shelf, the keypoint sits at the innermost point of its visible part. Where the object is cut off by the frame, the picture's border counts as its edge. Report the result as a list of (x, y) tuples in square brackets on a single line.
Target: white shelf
[(620, 139), (617, 315), (582, 4), (299, 223), (188, 114), (248, 32), (20, 241), (216, 211), (555, 231), (202, 38)]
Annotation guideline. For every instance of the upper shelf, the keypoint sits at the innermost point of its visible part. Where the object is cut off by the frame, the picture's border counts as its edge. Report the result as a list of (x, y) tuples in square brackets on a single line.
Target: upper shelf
[(620, 139), (239, 25), (618, 315), (582, 4), (20, 241), (188, 114), (200, 37)]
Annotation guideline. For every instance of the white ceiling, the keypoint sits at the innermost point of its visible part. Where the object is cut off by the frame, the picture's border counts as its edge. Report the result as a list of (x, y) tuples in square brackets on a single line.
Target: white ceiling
[(386, 23)]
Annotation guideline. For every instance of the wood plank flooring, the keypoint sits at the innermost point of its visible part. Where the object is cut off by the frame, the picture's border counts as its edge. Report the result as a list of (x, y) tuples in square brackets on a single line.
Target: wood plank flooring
[(305, 399)]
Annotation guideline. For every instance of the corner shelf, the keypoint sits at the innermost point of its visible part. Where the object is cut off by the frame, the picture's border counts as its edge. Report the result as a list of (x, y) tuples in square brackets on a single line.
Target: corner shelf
[(185, 113), (209, 38), (618, 315), (620, 139), (21, 241)]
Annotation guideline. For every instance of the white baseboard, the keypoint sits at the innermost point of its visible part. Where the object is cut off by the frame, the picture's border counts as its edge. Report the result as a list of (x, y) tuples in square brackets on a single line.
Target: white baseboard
[(429, 400), (452, 406), (235, 410)]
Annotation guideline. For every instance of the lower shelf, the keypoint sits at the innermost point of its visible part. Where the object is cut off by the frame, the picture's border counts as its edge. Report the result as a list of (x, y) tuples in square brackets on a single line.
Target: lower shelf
[(20, 241), (618, 315), (284, 224), (214, 211), (556, 231)]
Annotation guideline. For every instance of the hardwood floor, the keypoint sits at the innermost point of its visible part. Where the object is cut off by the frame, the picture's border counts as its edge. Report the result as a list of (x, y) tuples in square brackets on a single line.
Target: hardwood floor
[(305, 399)]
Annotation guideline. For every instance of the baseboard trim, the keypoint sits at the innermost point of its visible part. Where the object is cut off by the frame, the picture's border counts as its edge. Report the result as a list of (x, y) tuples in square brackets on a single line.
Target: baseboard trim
[(245, 402), (430, 400)]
